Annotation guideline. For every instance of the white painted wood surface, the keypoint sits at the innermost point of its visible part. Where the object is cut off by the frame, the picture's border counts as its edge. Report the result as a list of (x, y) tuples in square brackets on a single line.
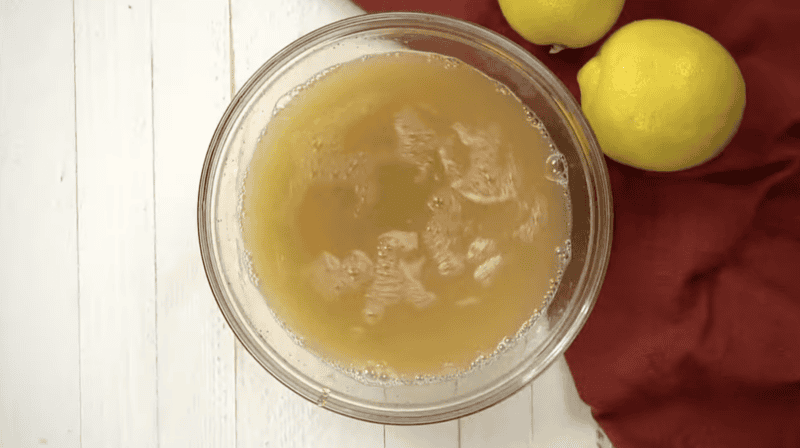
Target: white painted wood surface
[(116, 232), (109, 334), (39, 321), (191, 89)]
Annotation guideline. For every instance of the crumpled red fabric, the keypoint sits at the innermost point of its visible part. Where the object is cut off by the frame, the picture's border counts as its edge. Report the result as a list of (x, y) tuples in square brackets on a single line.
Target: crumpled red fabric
[(695, 337)]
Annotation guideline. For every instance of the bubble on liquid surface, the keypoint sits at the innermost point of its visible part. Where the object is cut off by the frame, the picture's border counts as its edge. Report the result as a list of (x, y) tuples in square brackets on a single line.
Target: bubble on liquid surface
[(251, 273), (564, 254), (551, 291), (556, 169), (532, 119), (287, 98), (503, 345), (282, 102), (478, 362), (446, 202), (501, 88), (451, 62), (377, 372)]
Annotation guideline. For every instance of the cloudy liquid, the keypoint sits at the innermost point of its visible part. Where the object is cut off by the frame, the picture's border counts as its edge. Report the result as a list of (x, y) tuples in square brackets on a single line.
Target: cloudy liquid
[(402, 211)]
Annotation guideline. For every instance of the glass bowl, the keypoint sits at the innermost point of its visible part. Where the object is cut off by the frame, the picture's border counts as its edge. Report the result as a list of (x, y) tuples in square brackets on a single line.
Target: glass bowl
[(244, 306)]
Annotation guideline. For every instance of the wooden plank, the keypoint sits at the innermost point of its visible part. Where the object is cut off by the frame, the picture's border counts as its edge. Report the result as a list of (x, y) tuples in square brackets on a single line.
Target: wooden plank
[(191, 89), (268, 414), (560, 418), (261, 29), (505, 425), (440, 435), (39, 343), (115, 224)]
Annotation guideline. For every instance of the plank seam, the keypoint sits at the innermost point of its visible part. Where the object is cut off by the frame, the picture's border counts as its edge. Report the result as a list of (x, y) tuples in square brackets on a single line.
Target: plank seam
[(77, 221), (459, 434), (230, 49), (155, 228), (533, 418)]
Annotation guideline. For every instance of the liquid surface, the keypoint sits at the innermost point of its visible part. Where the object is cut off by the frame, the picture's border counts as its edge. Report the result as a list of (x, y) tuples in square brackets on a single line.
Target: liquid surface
[(401, 211)]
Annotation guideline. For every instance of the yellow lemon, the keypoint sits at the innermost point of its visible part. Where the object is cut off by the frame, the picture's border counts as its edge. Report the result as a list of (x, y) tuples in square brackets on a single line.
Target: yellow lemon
[(662, 96), (564, 23)]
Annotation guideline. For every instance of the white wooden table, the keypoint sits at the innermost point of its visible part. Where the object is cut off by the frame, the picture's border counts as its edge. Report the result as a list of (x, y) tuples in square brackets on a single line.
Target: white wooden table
[(109, 334)]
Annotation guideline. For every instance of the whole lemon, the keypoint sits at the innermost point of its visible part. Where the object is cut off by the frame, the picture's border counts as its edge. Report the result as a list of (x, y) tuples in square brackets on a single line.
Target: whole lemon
[(662, 96), (564, 23)]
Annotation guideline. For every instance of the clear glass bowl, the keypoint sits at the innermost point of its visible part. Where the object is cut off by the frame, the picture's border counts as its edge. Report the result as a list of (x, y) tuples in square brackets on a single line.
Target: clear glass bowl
[(244, 306)]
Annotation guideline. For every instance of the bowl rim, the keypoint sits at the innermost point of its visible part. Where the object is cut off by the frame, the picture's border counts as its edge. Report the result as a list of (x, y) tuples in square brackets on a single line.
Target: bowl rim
[(597, 179)]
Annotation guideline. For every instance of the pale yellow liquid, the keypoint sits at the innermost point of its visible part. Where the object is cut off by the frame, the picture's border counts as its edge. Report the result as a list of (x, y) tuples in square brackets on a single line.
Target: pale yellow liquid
[(399, 211)]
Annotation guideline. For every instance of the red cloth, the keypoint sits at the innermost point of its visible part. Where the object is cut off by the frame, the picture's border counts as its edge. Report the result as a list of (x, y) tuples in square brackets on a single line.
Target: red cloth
[(695, 338)]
